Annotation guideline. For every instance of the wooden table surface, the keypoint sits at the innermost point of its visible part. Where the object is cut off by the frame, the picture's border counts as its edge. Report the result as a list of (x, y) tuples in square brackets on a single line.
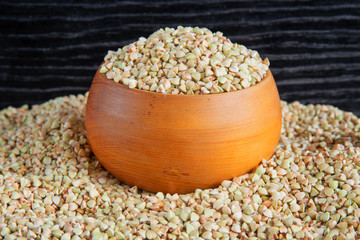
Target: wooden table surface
[(53, 48)]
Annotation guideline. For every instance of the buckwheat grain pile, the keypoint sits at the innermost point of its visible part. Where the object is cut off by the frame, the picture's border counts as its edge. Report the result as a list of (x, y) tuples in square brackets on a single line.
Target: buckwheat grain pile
[(52, 187), (185, 60)]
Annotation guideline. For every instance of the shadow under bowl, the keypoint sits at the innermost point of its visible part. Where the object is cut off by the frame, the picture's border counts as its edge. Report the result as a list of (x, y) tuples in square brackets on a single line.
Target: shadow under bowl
[(179, 143)]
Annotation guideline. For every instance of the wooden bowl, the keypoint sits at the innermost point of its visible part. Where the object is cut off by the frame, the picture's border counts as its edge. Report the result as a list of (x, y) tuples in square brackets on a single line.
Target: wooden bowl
[(178, 143)]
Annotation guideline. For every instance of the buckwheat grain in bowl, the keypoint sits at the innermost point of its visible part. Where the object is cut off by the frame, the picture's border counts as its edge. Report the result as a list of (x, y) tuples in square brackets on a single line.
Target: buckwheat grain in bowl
[(131, 125), (185, 60)]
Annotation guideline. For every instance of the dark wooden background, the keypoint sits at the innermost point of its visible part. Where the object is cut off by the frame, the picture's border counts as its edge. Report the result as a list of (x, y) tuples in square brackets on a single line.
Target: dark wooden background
[(52, 48)]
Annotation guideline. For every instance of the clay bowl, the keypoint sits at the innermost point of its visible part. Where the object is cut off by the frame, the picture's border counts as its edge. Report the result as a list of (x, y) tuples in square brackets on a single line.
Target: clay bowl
[(178, 143)]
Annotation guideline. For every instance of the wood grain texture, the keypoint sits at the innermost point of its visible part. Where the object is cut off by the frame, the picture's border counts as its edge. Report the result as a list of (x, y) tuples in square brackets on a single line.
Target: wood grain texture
[(176, 143), (53, 48)]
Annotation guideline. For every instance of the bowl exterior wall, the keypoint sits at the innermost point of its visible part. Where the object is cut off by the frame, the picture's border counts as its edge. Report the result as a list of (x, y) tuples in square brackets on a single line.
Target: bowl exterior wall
[(175, 143)]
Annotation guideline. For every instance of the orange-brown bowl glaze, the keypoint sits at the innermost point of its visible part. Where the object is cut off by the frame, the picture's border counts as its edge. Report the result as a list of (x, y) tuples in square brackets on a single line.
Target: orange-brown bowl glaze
[(178, 143)]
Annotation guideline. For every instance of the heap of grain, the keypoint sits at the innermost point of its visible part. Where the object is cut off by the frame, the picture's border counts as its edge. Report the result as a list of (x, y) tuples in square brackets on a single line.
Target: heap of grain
[(52, 186), (185, 61)]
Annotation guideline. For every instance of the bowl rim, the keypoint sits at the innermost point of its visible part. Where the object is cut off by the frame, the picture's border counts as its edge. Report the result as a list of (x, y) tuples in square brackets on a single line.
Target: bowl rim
[(267, 78)]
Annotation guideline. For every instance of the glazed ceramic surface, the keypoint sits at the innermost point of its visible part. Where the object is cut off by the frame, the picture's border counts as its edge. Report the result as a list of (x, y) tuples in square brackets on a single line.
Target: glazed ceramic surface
[(178, 143)]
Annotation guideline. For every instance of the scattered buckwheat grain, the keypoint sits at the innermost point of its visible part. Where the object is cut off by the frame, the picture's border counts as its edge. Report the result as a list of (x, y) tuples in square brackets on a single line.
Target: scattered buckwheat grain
[(52, 186), (185, 60)]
